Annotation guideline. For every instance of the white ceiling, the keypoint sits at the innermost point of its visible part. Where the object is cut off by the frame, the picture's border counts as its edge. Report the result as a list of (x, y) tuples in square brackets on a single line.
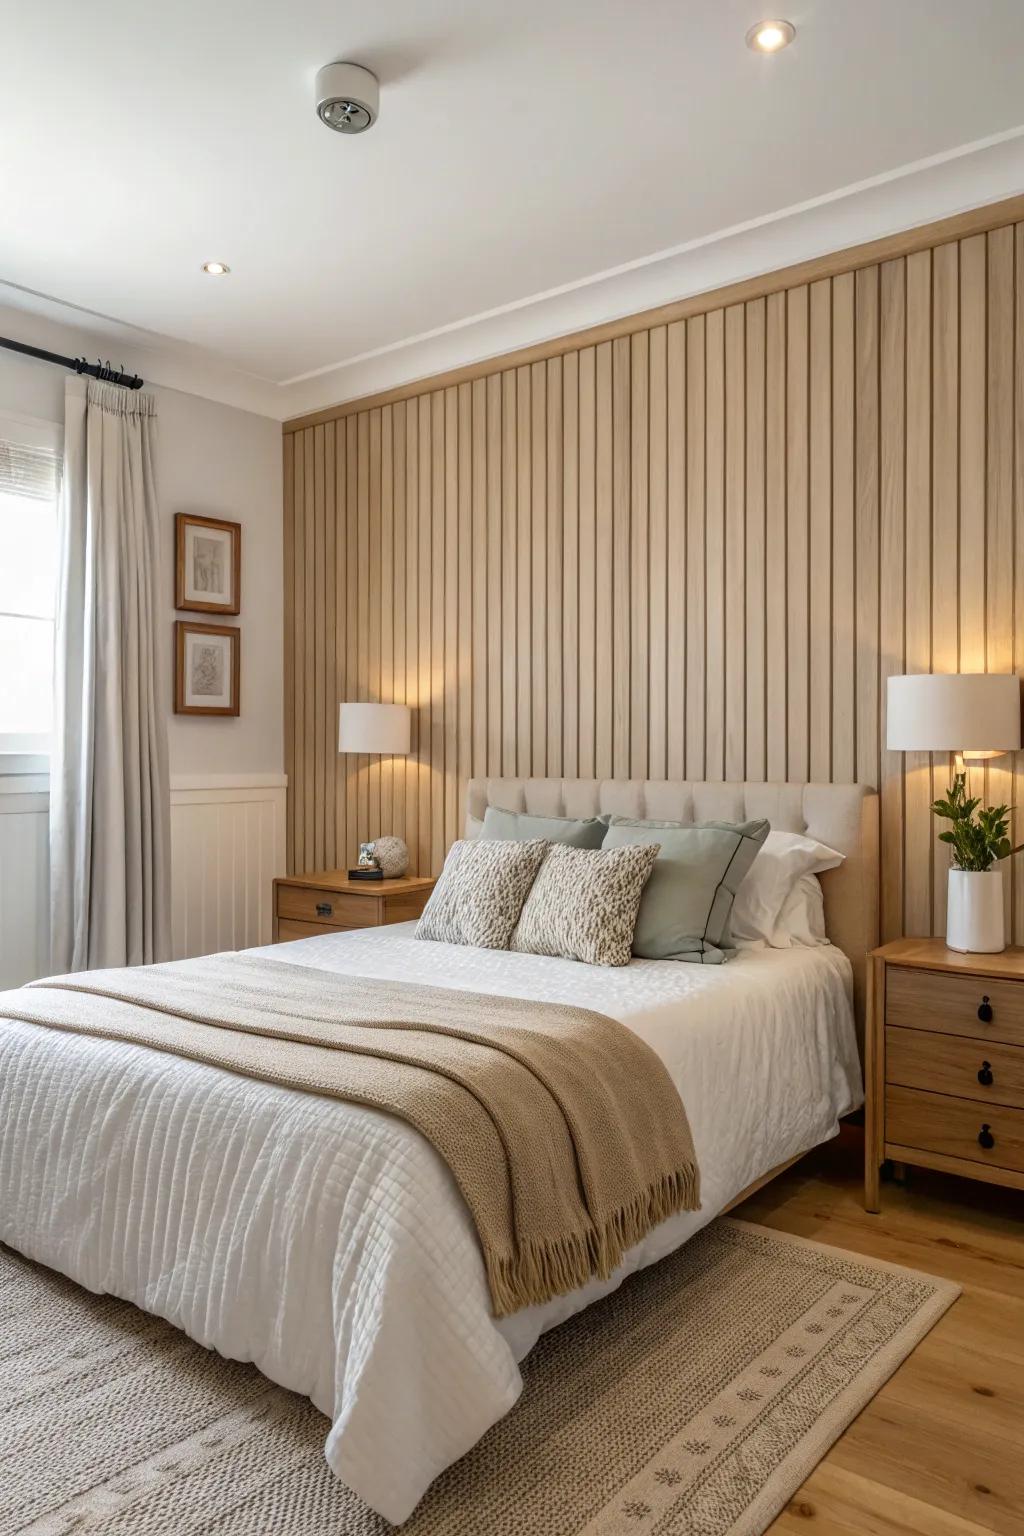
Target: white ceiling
[(521, 147)]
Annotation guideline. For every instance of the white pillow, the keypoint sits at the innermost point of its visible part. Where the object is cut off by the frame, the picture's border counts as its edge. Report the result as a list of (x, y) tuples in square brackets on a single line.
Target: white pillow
[(766, 887), (801, 922)]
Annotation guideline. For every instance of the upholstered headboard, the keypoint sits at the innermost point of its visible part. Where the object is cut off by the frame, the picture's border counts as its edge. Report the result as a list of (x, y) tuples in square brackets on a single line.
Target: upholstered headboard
[(845, 816)]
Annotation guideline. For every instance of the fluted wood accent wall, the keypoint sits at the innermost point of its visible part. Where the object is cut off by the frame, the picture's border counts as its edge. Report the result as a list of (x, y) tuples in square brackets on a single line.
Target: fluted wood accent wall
[(692, 551)]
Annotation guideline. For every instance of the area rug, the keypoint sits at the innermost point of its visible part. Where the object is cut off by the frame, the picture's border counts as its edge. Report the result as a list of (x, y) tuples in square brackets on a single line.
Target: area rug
[(694, 1400)]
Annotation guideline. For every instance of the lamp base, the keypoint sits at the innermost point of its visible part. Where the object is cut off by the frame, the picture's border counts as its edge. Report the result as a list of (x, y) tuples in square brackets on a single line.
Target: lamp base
[(366, 874)]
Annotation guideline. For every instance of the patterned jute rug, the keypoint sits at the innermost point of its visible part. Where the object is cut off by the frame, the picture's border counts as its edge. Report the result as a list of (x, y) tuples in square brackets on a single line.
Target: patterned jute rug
[(694, 1400)]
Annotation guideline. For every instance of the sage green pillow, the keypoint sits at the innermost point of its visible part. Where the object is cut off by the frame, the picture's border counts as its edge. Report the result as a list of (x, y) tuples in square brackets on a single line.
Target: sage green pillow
[(514, 827), (687, 902)]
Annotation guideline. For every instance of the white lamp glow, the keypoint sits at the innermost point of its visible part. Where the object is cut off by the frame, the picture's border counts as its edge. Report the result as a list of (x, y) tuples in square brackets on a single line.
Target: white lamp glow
[(383, 729), (974, 713)]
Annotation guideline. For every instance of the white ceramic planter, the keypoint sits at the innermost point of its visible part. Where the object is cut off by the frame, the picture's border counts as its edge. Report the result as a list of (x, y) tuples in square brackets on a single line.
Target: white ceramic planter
[(974, 912)]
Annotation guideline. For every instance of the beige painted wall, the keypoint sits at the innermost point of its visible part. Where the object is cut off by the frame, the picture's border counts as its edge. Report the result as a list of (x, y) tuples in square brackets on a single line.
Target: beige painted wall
[(221, 462), (696, 550)]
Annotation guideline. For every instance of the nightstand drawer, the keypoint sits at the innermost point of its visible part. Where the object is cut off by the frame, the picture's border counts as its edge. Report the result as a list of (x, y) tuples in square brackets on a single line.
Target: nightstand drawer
[(950, 1004), (288, 929), (337, 909), (971, 1069), (937, 1122)]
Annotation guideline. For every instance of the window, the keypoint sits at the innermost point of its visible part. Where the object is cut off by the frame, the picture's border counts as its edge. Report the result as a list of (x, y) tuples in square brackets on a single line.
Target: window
[(29, 479)]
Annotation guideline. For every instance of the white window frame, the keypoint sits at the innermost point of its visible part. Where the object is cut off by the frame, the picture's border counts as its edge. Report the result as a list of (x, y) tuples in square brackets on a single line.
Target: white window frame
[(28, 755)]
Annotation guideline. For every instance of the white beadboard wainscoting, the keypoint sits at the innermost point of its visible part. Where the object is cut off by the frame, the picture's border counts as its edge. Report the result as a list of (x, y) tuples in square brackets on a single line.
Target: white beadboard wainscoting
[(227, 844), (24, 880)]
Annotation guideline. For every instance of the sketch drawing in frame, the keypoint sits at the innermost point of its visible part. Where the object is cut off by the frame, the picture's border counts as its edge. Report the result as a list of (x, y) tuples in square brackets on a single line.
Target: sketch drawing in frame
[(208, 564), (206, 669)]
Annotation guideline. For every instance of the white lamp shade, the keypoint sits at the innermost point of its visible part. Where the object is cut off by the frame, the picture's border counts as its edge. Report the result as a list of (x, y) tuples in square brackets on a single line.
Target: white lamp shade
[(377, 728), (976, 713)]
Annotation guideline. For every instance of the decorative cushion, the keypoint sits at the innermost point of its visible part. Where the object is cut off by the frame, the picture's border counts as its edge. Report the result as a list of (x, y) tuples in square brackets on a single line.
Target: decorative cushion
[(584, 902), (480, 893), (685, 910), (514, 826)]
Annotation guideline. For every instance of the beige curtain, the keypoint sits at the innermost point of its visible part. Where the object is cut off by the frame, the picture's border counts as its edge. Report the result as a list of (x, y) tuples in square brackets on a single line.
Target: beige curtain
[(109, 788)]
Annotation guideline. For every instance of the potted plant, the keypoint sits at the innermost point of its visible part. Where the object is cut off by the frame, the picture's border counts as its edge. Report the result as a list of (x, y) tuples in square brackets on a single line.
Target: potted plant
[(978, 838)]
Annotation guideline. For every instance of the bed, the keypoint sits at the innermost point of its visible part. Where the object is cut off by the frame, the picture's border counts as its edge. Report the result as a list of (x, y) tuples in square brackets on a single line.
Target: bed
[(327, 1242)]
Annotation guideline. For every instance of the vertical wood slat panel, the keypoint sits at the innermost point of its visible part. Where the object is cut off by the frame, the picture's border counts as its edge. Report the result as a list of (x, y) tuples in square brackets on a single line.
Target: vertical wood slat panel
[(917, 817), (539, 593), (621, 552), (696, 551), (734, 549), (944, 523), (797, 532), (604, 556), (819, 546), (319, 658), (663, 567), (677, 604), (1017, 905), (328, 640), (524, 577), (714, 544), (555, 513), (755, 732), (636, 727), (352, 580), (291, 736), (842, 765), (892, 645), (696, 556), (866, 513), (777, 670), (571, 564), (999, 531)]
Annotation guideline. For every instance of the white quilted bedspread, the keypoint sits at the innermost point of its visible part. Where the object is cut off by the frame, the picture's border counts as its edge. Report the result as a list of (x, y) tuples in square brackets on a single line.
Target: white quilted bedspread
[(327, 1242)]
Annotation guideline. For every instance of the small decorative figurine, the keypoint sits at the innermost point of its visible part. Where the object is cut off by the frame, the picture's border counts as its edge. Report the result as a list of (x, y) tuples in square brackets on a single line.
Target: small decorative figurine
[(391, 855)]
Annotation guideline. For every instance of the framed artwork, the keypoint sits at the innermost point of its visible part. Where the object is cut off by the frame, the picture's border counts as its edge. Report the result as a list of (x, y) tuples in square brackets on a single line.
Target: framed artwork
[(206, 669), (208, 564)]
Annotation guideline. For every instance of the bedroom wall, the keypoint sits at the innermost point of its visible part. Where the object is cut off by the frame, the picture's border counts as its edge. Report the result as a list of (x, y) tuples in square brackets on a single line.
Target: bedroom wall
[(227, 775), (689, 548)]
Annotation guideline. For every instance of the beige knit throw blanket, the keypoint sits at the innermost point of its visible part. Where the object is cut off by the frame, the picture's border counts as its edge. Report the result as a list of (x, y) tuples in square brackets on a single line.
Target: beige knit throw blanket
[(561, 1128)]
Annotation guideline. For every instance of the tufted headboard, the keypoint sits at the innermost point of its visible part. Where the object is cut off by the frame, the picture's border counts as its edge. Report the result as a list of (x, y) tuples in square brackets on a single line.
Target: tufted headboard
[(845, 816)]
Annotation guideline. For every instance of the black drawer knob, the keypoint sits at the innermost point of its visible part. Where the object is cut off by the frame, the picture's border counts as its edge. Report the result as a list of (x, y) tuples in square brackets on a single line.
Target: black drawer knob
[(985, 1075), (986, 1139), (324, 909), (985, 1011)]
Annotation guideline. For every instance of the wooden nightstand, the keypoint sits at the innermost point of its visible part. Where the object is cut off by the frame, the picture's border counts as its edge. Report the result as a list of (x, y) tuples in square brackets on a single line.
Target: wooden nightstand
[(327, 901), (944, 1070)]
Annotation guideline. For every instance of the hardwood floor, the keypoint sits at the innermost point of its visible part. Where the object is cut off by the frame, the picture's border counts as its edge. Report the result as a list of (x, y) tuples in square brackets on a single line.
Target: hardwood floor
[(940, 1450)]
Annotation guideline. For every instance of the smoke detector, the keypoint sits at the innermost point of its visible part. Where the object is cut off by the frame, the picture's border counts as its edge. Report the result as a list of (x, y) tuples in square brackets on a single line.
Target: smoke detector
[(347, 97)]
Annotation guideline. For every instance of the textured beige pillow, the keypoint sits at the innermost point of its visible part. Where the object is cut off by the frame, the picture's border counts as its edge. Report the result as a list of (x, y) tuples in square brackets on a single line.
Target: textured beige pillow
[(480, 893), (583, 905)]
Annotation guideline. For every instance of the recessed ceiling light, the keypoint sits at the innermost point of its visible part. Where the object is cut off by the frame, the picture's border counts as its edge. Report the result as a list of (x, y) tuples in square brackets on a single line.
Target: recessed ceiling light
[(216, 268), (771, 36)]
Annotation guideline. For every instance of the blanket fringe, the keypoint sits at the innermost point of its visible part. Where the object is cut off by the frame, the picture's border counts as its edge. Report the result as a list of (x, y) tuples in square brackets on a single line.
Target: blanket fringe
[(543, 1268)]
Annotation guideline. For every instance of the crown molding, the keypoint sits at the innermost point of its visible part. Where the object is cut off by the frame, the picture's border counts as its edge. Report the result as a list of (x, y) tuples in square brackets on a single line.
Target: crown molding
[(913, 199)]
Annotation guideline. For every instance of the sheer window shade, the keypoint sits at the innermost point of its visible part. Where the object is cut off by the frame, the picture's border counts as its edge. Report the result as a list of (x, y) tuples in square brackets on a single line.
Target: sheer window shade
[(28, 470)]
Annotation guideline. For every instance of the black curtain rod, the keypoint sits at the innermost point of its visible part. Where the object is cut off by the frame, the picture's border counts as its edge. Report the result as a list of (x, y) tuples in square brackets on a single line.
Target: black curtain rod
[(97, 370)]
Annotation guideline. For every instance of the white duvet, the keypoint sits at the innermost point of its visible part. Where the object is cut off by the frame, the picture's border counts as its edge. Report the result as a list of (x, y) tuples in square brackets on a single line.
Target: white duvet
[(327, 1242)]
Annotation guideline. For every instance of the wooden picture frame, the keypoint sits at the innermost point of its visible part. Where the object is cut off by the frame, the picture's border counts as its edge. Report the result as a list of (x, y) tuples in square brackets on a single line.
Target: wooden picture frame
[(210, 670), (207, 565)]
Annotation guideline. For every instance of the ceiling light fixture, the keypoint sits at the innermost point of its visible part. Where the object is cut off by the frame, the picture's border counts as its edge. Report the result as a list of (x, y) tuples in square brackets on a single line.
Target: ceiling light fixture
[(216, 268), (771, 36), (347, 97)]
